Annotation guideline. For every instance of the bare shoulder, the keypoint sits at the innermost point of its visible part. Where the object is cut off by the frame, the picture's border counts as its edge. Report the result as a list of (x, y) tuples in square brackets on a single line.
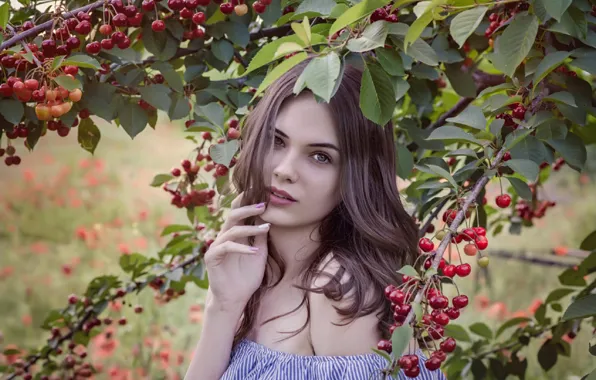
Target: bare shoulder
[(355, 338)]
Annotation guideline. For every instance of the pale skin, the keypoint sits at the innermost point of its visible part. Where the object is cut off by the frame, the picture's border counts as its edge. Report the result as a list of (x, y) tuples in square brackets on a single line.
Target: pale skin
[(310, 174)]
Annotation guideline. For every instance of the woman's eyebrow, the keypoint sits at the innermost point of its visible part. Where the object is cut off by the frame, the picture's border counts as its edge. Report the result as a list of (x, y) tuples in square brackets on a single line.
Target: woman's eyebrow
[(320, 145)]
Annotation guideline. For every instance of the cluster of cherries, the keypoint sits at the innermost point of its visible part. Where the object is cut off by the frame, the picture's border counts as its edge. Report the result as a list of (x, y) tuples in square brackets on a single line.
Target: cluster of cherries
[(433, 323), (182, 198), (385, 13), (518, 111), (496, 20)]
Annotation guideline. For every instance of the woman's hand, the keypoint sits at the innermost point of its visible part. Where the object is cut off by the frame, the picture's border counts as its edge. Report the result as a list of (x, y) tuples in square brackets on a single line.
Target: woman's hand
[(235, 268)]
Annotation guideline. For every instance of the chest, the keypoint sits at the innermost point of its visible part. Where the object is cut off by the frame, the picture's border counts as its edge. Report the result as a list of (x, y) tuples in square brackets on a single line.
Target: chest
[(285, 304)]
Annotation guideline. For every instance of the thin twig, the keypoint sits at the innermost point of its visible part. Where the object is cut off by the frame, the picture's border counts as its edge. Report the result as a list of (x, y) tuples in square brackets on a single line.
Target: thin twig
[(26, 47)]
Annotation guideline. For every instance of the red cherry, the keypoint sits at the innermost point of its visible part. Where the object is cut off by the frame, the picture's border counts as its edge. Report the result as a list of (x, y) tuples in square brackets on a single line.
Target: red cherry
[(448, 345), (426, 245), (199, 18), (507, 156), (233, 133), (158, 26), (412, 372), (460, 301), (107, 44), (463, 270), (105, 29), (266, 2), (438, 302), (118, 37), (83, 27), (122, 321), (186, 165), (437, 332), (93, 47), (176, 5), (138, 309), (503, 200), (384, 345), (449, 270), (191, 4), (5, 90), (388, 289), (519, 112), (176, 172), (470, 250), (442, 319), (125, 44), (481, 231), (148, 5), (433, 364), (73, 299), (259, 7), (468, 234), (186, 13), (452, 313), (226, 8), (120, 20), (481, 242), (405, 362)]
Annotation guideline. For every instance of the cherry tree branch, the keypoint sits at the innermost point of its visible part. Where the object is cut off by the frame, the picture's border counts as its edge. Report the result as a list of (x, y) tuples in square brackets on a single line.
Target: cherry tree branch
[(26, 47), (47, 25)]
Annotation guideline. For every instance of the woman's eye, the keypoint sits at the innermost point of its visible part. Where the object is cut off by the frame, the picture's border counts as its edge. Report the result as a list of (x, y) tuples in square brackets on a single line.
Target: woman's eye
[(276, 139), (325, 159)]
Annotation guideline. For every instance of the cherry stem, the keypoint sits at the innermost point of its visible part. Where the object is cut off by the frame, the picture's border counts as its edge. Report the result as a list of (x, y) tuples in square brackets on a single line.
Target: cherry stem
[(478, 186)]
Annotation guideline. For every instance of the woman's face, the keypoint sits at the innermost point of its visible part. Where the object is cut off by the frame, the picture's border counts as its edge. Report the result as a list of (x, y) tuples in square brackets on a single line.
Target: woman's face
[(305, 163)]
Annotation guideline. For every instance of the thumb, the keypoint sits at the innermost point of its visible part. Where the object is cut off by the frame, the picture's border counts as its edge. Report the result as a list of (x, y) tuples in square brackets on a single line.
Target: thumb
[(261, 242)]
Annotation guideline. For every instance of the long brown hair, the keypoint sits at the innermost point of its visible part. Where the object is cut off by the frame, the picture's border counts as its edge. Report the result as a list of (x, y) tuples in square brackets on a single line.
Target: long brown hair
[(369, 232)]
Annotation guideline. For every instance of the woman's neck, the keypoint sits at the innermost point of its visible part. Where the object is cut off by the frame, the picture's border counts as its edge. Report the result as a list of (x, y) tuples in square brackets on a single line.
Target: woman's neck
[(295, 246)]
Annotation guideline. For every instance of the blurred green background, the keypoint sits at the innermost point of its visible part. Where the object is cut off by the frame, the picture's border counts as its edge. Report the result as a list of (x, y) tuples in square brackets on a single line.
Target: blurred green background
[(67, 216)]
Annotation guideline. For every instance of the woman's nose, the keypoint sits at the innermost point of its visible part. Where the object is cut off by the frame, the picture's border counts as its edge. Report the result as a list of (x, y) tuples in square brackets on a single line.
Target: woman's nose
[(286, 169)]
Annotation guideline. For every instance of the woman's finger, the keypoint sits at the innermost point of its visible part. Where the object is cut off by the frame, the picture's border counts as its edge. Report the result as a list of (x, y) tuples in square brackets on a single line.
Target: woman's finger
[(216, 254), (240, 232), (237, 215)]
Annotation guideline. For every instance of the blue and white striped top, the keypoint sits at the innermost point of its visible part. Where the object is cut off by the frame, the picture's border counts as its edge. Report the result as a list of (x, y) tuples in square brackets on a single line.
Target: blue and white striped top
[(253, 361)]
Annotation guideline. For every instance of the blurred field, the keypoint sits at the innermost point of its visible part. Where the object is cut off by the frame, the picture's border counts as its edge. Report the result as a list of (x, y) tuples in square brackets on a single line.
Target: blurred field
[(66, 217)]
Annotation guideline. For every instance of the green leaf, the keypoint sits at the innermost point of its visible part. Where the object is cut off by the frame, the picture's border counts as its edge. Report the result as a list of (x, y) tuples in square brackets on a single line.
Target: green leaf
[(481, 329), (157, 95), (408, 270), (223, 50), (81, 60), (401, 88), (417, 27), (377, 94), (548, 64), (213, 113), (464, 24), (180, 107), (443, 173), (266, 54), (515, 137), (572, 149), (400, 339), (405, 162), (237, 33), (88, 135), (515, 43), (321, 74), (557, 294), (561, 97), (528, 169), (68, 82), (12, 110), (510, 323), (4, 16), (161, 44), (530, 148), (451, 132), (160, 179), (547, 355), (322, 7), (423, 52), (57, 62), (391, 61), (173, 79), (279, 70), (373, 37), (472, 116), (461, 81), (133, 118), (224, 152), (356, 13), (521, 188), (589, 243), (581, 308), (552, 129), (556, 8), (172, 228), (457, 332)]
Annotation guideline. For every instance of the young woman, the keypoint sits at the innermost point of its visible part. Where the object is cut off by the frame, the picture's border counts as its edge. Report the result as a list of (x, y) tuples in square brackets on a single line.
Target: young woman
[(297, 273)]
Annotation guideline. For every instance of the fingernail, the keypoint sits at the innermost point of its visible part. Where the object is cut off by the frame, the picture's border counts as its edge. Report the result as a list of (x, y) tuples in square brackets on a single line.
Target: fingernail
[(264, 226), (254, 249), (260, 205)]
